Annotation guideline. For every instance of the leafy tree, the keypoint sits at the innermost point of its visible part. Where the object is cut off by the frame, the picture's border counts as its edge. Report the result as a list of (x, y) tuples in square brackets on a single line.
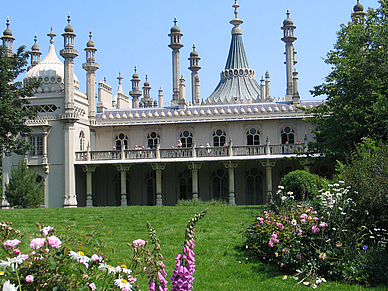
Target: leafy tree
[(357, 88), (13, 101), (367, 172), (23, 189)]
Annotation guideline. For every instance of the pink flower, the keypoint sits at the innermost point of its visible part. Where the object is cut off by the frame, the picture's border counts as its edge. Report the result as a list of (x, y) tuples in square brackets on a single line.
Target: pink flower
[(138, 243), (97, 258), (315, 229), (16, 251), (11, 243), (46, 230), (315, 218), (280, 225), (92, 286), (323, 224), (54, 242), (303, 216), (29, 278), (298, 256), (37, 243), (261, 220), (270, 243)]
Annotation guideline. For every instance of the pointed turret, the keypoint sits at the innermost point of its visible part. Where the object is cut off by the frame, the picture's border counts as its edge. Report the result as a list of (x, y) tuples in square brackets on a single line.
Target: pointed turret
[(35, 53), (135, 93), (238, 83), (69, 54), (8, 39), (90, 66), (194, 68), (122, 99), (358, 15), (147, 100), (289, 37), (175, 44)]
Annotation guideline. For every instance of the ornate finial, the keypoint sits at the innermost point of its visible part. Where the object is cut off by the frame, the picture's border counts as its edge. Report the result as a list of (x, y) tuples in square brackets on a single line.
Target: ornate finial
[(193, 46), (146, 77), (288, 13), (235, 6), (104, 79), (135, 68), (175, 21), (7, 22), (51, 35), (68, 17), (119, 78), (90, 34), (35, 38)]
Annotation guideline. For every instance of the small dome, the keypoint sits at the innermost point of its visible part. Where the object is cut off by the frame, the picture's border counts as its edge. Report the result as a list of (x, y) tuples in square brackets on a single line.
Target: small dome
[(90, 43), (135, 76), (35, 47), (7, 31), (358, 7), (175, 28), (68, 28), (146, 84), (194, 54), (288, 20)]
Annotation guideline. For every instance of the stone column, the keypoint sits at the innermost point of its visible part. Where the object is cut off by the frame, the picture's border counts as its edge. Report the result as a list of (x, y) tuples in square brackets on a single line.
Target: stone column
[(123, 168), (231, 165), (44, 158), (194, 167), (158, 167), (268, 165), (89, 169), (70, 198)]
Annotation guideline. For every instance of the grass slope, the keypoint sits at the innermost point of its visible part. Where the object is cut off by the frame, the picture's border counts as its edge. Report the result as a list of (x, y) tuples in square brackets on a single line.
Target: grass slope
[(220, 263)]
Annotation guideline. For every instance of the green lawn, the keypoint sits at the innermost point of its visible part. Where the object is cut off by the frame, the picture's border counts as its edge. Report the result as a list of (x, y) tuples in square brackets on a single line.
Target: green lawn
[(220, 263)]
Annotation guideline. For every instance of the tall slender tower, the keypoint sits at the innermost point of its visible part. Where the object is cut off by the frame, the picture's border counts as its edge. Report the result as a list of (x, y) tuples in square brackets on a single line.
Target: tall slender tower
[(358, 16), (8, 39), (175, 44), (194, 68), (69, 54), (135, 93), (90, 66), (289, 37), (35, 53)]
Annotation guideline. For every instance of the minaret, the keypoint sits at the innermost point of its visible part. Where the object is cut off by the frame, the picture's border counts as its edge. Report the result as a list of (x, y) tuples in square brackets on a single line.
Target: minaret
[(90, 66), (194, 68), (147, 100), (175, 44), (35, 53), (295, 95), (358, 16), (160, 97), (135, 93), (289, 38), (267, 87), (69, 54), (8, 39), (182, 93)]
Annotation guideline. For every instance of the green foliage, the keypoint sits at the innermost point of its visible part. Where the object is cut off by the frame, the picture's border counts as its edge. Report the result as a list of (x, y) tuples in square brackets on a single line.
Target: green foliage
[(303, 185), (23, 190), (356, 88), (367, 172), (13, 101)]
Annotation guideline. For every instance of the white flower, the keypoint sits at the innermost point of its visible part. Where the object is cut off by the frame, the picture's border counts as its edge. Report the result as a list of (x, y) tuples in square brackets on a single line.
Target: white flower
[(281, 187), (293, 222), (13, 262), (284, 198), (306, 283), (314, 286), (284, 277), (9, 287), (80, 258), (122, 283), (296, 278)]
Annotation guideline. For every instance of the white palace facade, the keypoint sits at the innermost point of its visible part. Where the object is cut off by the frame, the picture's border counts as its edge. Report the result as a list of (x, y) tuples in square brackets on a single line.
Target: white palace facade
[(104, 149)]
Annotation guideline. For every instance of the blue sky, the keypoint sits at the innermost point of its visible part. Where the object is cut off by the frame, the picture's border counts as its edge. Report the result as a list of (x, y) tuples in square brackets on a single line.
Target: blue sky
[(136, 32)]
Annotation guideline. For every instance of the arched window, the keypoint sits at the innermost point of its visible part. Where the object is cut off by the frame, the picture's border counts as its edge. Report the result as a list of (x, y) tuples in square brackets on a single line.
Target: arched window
[(288, 135), (185, 185), (150, 180), (254, 184), (121, 140), (253, 136), (153, 138), (220, 183), (186, 138), (82, 141), (219, 138)]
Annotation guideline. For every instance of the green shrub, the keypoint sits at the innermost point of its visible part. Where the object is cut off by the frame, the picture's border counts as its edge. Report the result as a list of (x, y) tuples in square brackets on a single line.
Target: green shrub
[(305, 186), (23, 190)]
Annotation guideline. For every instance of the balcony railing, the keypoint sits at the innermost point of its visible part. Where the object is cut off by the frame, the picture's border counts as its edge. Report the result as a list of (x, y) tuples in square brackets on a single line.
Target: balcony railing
[(158, 153)]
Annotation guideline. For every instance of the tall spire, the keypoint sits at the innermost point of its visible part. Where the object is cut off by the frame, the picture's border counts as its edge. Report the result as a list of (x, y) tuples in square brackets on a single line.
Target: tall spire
[(194, 68), (135, 93), (358, 16), (238, 83), (35, 53), (175, 44), (289, 37)]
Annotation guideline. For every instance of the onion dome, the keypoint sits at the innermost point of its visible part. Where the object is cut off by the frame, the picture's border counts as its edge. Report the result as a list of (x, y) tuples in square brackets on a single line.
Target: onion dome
[(7, 31), (135, 75), (146, 83), (35, 47), (288, 20), (175, 28), (358, 7), (68, 28), (194, 53), (90, 43), (50, 71)]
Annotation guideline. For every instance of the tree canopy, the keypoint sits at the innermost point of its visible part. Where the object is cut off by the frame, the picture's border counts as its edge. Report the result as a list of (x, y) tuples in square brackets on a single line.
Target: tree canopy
[(13, 101), (356, 88)]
